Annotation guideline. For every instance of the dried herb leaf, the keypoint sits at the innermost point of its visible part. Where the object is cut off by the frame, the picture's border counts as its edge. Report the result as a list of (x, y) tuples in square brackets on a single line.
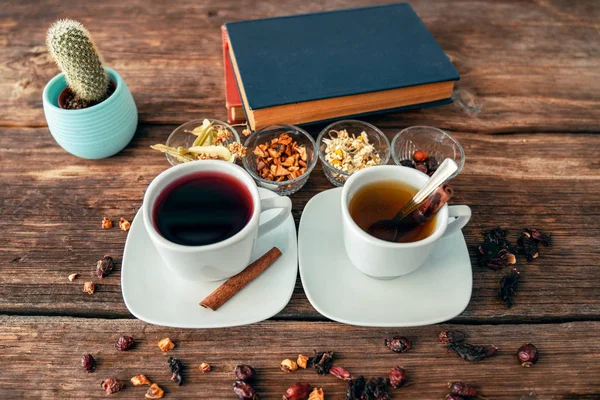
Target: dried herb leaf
[(508, 285)]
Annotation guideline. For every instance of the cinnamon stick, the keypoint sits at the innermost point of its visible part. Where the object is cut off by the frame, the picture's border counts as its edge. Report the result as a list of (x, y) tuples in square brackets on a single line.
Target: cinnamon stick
[(237, 282)]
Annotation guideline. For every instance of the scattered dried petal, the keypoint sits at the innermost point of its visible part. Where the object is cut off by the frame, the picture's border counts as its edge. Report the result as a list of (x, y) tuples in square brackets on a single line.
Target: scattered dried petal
[(340, 373), (317, 394), (356, 389), (288, 365), (472, 353), (89, 287), (72, 277), (302, 361), (528, 242), (154, 392), (88, 363), (397, 377), (124, 343), (112, 385), (528, 355), (377, 389), (104, 266), (496, 251), (298, 391), (244, 390), (398, 344), (508, 285), (205, 367), (140, 380), (166, 344), (245, 373), (462, 389), (176, 367), (106, 223), (322, 362), (452, 337), (124, 224)]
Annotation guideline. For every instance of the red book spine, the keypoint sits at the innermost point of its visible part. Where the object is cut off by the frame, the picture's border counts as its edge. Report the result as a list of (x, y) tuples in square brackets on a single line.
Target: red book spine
[(233, 102)]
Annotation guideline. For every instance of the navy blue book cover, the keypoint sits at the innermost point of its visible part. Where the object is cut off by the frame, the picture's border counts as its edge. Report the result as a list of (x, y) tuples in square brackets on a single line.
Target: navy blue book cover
[(317, 56)]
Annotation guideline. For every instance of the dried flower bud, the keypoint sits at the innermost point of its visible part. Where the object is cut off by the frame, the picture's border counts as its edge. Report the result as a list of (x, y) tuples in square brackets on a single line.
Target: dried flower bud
[(88, 363), (124, 343), (302, 361), (154, 392), (298, 391), (72, 277), (340, 373), (420, 156), (89, 287), (447, 337), (397, 377), (140, 380), (104, 266), (243, 390), (176, 368), (322, 362), (245, 373), (288, 365), (112, 385), (106, 223), (166, 344), (528, 355), (124, 224), (204, 367), (316, 394), (398, 344), (462, 389), (246, 131)]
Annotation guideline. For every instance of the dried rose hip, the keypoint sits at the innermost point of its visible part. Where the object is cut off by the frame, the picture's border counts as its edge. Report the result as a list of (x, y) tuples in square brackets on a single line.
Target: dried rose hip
[(528, 355), (397, 377), (112, 385), (104, 266), (398, 344), (245, 373), (432, 165), (298, 391), (472, 353), (176, 367), (340, 373), (244, 390), (447, 337), (322, 362), (88, 363), (462, 389), (124, 343), (496, 251), (508, 286), (420, 156)]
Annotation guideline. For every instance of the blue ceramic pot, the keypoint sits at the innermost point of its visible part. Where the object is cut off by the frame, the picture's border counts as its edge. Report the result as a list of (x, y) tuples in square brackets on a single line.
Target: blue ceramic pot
[(95, 132)]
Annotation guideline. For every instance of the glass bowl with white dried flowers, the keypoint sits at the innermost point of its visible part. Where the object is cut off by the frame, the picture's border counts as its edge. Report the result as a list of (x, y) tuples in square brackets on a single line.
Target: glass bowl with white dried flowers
[(207, 139), (348, 146)]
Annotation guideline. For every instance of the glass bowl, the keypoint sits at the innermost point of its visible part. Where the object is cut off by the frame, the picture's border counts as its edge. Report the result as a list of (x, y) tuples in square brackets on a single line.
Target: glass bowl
[(179, 137), (267, 134), (336, 176), (432, 141)]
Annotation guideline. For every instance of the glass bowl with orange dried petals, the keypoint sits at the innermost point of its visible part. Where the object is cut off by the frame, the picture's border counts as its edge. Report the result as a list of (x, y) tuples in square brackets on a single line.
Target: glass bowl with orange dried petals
[(280, 158)]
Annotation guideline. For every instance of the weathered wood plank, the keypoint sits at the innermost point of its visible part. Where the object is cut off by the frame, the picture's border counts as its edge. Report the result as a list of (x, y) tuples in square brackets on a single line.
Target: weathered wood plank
[(52, 205), (47, 352), (525, 66)]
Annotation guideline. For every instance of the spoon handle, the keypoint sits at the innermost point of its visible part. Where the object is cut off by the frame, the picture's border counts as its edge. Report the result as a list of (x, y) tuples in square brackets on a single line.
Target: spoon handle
[(445, 171)]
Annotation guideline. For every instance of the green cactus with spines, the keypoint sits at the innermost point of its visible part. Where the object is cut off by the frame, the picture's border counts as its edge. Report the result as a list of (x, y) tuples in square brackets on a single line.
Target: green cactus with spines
[(73, 50)]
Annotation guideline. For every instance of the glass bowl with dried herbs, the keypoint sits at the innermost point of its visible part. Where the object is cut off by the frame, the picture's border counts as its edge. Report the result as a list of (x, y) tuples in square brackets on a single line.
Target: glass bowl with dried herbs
[(348, 146), (207, 139), (280, 158)]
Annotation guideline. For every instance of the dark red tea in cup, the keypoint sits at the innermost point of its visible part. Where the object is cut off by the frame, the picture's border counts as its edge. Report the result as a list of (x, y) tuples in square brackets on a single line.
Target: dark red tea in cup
[(202, 208)]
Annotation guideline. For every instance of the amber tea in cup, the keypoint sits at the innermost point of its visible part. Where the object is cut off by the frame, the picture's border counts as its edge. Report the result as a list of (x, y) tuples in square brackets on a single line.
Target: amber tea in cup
[(382, 200)]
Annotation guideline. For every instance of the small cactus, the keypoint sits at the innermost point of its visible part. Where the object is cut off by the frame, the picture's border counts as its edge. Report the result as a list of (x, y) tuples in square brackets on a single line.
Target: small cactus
[(73, 50)]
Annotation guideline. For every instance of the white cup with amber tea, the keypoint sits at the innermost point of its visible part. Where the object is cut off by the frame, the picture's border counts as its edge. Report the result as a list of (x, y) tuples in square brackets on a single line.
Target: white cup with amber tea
[(378, 193)]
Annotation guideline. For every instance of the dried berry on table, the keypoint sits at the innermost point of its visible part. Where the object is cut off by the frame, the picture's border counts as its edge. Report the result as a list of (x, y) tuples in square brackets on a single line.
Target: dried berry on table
[(529, 240), (166, 344), (106, 223), (88, 363), (298, 391), (124, 224), (302, 361), (340, 373), (397, 377), (446, 337), (72, 277), (245, 373), (154, 392), (377, 389), (124, 343), (462, 389), (244, 390), (104, 266), (89, 287), (176, 368), (288, 365), (316, 394), (356, 389), (204, 368), (470, 352), (140, 380), (398, 344), (508, 286), (528, 355), (496, 251), (322, 362), (112, 385)]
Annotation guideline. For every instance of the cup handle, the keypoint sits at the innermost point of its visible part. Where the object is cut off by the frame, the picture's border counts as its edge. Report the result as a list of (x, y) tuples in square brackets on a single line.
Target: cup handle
[(282, 202), (458, 216)]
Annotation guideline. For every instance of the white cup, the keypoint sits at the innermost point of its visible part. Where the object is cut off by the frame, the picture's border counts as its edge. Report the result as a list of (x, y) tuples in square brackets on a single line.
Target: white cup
[(387, 260), (219, 260)]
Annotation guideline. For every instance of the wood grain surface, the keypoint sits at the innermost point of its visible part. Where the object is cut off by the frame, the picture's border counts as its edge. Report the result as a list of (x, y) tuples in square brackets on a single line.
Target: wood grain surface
[(530, 73)]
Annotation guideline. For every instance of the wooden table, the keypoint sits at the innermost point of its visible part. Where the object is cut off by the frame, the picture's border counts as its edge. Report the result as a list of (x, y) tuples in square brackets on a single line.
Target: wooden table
[(527, 110)]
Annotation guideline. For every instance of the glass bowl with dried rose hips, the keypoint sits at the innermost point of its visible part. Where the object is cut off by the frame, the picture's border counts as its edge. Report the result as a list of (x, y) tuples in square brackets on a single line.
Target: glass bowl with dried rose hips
[(348, 146), (207, 139), (280, 158), (425, 147)]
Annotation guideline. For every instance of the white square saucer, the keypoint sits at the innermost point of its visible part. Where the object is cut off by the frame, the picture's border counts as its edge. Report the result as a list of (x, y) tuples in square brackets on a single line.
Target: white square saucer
[(156, 295), (437, 291)]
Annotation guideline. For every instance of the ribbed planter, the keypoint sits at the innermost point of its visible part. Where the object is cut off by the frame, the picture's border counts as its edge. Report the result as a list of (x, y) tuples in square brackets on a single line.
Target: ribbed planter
[(96, 132)]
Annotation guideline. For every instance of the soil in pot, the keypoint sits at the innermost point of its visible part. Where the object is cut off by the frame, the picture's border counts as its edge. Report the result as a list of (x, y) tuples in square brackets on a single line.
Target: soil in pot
[(70, 101)]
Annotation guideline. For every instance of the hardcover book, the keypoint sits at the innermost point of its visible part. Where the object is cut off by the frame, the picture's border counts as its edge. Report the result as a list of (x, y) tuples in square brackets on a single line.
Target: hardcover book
[(321, 66), (233, 102)]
